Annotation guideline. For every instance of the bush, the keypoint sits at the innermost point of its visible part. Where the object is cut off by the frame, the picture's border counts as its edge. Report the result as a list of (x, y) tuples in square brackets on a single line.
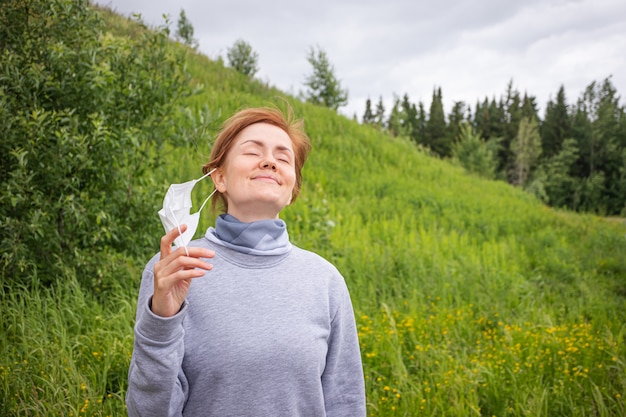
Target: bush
[(84, 115)]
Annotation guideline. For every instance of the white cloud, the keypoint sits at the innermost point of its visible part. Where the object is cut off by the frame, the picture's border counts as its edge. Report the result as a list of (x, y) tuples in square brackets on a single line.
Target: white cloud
[(471, 49)]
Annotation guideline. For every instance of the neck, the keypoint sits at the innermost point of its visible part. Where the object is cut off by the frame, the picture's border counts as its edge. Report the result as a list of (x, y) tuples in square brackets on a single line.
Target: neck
[(249, 216)]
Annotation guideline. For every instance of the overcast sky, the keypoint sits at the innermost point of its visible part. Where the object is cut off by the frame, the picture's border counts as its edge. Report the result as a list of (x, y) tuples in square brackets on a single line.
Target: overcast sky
[(471, 49)]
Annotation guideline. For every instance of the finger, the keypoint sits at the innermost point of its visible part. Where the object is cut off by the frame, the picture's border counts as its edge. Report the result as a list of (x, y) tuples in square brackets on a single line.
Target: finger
[(181, 257), (196, 252), (168, 283), (186, 262), (181, 275), (178, 261), (168, 239)]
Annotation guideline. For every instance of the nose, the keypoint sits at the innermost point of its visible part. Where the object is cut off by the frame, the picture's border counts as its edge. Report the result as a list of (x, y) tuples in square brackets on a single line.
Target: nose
[(267, 164)]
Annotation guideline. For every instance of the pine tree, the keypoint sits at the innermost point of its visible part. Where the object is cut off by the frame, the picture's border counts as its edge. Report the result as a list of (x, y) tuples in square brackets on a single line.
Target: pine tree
[(513, 116), (606, 144), (436, 126), (323, 87), (410, 117), (379, 116), (396, 122), (556, 126), (497, 118), (529, 107), (368, 116), (422, 120), (456, 118), (482, 119)]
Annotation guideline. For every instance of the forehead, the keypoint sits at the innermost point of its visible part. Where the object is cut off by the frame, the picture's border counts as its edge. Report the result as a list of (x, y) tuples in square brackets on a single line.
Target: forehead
[(264, 134)]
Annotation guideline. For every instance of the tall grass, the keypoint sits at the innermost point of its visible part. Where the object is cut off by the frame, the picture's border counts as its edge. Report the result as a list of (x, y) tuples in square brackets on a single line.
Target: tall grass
[(63, 353), (471, 297)]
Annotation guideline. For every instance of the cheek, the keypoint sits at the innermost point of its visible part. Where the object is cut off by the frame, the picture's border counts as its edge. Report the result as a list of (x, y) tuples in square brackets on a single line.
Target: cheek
[(292, 179)]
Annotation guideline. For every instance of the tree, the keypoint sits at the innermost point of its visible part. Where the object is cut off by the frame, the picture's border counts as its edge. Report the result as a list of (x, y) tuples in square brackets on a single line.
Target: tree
[(184, 31), (556, 126), (419, 133), (410, 117), (599, 128), (368, 116), (555, 175), (473, 153), (396, 122), (243, 58), (436, 138), (482, 118), (513, 116), (529, 107), (456, 118), (323, 87), (526, 149), (379, 115)]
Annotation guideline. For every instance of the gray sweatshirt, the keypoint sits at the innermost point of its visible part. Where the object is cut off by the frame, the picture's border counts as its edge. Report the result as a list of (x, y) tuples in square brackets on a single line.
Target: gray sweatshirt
[(257, 336)]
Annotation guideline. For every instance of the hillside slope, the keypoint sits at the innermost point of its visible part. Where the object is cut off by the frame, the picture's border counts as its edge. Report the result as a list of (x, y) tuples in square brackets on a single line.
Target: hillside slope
[(471, 298), (460, 283)]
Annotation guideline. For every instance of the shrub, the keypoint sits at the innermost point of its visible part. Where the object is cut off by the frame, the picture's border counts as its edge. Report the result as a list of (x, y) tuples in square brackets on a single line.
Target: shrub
[(84, 114)]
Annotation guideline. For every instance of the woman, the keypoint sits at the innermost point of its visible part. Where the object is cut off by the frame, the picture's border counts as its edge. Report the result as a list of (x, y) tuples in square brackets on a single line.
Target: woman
[(265, 328)]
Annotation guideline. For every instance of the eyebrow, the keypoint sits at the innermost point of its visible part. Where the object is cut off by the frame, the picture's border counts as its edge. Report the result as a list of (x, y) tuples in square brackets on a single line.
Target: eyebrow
[(261, 144)]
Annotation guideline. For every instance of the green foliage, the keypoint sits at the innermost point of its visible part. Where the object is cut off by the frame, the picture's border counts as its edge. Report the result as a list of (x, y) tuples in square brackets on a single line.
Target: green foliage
[(323, 87), (475, 154), (379, 115), (85, 113), (436, 138), (62, 352), (526, 148), (597, 123), (600, 129), (556, 127), (554, 176), (456, 119), (398, 123), (243, 58), (471, 297), (184, 30), (368, 115)]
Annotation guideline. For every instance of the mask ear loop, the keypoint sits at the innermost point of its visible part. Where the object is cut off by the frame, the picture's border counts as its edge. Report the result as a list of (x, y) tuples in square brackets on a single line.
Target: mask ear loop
[(210, 195), (180, 232), (206, 200), (206, 175)]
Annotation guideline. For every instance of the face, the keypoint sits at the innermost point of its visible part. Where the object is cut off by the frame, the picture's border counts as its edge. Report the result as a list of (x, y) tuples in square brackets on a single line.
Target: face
[(259, 174)]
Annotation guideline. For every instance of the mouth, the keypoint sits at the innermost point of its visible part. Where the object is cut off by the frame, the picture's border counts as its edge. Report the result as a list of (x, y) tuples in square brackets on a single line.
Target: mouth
[(266, 178)]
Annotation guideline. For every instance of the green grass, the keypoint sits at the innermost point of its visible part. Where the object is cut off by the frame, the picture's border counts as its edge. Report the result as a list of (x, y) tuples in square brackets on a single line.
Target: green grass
[(471, 297), (63, 353)]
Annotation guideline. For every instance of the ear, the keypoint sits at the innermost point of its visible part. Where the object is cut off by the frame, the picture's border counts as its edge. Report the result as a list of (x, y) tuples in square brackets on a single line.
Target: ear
[(218, 180)]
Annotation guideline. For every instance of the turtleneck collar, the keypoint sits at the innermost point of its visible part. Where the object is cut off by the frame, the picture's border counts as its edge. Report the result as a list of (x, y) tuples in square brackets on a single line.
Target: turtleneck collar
[(263, 237)]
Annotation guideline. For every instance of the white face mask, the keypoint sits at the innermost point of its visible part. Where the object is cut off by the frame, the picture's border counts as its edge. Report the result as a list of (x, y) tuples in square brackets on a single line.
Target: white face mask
[(176, 207)]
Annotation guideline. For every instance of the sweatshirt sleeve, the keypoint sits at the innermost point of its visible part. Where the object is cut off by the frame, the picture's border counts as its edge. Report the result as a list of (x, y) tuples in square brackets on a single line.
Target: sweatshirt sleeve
[(157, 385), (342, 380)]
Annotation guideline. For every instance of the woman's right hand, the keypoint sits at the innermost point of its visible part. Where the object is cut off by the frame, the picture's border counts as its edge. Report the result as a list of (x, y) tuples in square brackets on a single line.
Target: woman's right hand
[(173, 273)]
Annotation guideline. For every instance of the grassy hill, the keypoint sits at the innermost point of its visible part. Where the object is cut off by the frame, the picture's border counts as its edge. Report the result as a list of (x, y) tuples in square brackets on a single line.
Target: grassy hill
[(471, 297)]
